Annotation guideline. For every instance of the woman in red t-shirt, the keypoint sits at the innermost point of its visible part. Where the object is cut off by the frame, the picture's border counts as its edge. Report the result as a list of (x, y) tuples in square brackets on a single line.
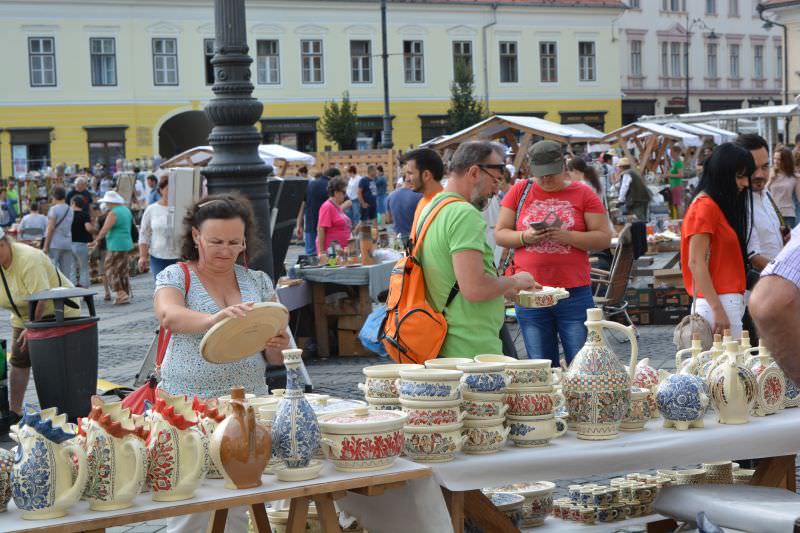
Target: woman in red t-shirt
[(333, 224), (556, 256), (714, 237)]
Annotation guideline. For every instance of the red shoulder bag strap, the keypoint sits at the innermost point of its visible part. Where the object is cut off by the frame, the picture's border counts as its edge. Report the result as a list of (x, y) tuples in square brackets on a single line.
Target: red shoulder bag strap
[(164, 334)]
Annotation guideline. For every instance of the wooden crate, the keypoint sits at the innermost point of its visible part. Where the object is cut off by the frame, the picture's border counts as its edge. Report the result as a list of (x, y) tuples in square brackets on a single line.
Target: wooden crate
[(349, 344)]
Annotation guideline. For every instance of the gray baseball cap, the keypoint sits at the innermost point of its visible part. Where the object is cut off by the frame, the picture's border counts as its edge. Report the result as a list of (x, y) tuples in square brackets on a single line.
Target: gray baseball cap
[(546, 158)]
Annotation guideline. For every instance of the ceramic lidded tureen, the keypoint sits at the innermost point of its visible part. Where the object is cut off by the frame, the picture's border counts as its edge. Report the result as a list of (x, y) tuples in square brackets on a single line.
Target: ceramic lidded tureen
[(361, 440)]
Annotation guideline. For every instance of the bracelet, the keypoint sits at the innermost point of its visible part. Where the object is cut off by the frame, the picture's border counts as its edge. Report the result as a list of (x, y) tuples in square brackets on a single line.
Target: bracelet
[(522, 239)]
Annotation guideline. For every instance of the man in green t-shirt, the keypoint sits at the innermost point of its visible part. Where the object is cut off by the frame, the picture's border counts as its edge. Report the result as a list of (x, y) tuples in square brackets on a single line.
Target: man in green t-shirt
[(455, 251)]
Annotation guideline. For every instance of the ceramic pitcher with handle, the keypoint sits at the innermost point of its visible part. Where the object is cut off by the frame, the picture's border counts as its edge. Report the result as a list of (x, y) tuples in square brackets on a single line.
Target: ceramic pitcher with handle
[(733, 387), (596, 386), (175, 451), (42, 483), (690, 365), (114, 456), (771, 381)]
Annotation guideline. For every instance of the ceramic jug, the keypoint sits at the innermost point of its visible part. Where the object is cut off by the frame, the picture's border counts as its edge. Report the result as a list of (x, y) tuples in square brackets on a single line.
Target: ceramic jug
[(770, 380), (733, 388), (682, 400), (209, 414), (240, 447), (647, 377), (596, 386), (295, 432), (708, 359), (42, 483), (114, 457), (690, 365), (175, 451)]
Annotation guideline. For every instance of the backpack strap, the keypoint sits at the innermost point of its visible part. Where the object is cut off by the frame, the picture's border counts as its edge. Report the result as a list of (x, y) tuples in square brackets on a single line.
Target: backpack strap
[(164, 334), (428, 219), (520, 205)]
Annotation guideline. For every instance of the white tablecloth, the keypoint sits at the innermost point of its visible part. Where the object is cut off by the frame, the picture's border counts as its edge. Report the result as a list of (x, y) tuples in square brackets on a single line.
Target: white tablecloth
[(655, 447)]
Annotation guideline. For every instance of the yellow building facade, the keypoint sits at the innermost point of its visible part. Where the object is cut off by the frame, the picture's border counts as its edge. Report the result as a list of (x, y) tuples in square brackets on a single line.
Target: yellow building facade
[(92, 82)]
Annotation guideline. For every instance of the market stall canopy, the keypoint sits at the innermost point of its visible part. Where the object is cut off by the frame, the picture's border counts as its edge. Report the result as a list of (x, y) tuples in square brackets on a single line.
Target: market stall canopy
[(720, 135), (646, 129), (508, 126), (770, 111), (201, 156)]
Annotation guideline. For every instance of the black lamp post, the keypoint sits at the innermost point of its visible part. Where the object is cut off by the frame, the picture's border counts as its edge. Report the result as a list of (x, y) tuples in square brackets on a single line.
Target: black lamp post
[(386, 134), (689, 25), (236, 165)]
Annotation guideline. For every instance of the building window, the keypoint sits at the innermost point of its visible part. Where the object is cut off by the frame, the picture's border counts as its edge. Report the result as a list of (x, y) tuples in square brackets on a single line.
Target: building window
[(711, 60), (587, 63), (103, 61), (360, 61), (106, 144), (675, 60), (413, 62), (548, 62), (673, 5), (208, 54), (665, 60), (462, 56), (312, 60), (779, 62), (634, 4), (711, 7), (758, 61), (636, 58), (30, 149), (42, 61), (508, 62), (733, 8), (734, 68), (165, 61), (268, 62)]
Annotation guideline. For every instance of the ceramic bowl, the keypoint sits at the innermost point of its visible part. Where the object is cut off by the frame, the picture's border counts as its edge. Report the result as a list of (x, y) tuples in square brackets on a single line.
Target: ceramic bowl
[(535, 431), (384, 404), (477, 405), (509, 504), (529, 373), (693, 476), (432, 413), (484, 436), (361, 440), (533, 401), (429, 384), (538, 500), (432, 444), (447, 362), (380, 382), (483, 377), (545, 297), (493, 358)]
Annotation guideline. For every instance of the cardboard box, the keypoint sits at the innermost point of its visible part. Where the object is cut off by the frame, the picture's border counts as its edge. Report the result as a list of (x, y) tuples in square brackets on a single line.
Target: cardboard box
[(639, 297), (671, 297), (351, 322), (669, 315), (671, 277), (349, 344), (641, 316)]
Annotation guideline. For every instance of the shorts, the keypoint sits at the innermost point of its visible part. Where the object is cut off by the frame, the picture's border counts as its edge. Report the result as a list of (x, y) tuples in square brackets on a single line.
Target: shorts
[(19, 358)]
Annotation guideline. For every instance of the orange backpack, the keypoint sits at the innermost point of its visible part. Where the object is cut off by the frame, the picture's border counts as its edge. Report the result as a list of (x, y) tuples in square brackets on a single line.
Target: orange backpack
[(413, 331)]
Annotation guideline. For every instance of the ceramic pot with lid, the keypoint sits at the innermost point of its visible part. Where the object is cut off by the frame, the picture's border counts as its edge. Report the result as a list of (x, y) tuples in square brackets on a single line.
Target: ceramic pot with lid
[(429, 384), (362, 440), (435, 444), (484, 436)]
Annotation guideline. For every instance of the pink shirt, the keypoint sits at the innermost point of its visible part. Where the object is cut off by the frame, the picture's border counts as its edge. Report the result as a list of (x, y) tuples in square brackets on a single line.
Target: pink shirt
[(336, 224)]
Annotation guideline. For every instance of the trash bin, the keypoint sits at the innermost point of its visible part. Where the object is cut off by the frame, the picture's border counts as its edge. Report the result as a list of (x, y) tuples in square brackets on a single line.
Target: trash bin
[(64, 353)]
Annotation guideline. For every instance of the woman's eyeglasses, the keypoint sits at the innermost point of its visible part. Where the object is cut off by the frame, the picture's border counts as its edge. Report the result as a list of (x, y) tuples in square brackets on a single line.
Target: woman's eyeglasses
[(217, 244)]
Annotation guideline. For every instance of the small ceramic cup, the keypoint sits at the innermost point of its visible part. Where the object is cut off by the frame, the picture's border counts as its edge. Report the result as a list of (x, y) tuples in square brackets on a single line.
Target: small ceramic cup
[(529, 373), (617, 481), (633, 476), (613, 494), (644, 493), (574, 492), (634, 508), (606, 514), (585, 515), (601, 497), (586, 496)]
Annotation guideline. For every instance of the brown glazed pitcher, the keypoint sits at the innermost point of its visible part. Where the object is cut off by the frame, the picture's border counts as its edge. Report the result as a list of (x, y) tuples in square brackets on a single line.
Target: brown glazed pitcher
[(240, 448)]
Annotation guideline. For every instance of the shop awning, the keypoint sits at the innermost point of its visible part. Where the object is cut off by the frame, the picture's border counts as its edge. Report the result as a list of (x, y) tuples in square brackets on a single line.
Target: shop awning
[(769, 111), (645, 129), (200, 156)]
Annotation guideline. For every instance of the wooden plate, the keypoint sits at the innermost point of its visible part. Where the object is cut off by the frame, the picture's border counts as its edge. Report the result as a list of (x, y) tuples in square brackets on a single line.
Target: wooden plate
[(236, 338)]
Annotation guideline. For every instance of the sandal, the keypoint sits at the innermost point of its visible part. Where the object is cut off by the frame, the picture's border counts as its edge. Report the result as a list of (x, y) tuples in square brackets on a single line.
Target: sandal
[(123, 300)]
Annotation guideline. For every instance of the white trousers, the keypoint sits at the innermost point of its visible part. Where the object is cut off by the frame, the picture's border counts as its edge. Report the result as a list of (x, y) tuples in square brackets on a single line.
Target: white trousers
[(734, 308), (238, 521)]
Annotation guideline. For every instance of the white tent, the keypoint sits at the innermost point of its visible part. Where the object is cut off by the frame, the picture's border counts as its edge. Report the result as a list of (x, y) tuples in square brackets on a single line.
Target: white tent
[(200, 156)]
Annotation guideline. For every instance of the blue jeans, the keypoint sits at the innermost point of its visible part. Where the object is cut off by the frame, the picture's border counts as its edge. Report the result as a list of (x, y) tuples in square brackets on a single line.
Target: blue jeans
[(81, 252), (157, 265), (542, 328), (62, 259), (354, 212), (311, 242)]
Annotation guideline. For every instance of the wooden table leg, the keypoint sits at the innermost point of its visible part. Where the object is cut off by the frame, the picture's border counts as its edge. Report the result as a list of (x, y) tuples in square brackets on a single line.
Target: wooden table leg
[(320, 319), (327, 513), (298, 515), (776, 472), (260, 518), (364, 301), (485, 515), (455, 505), (216, 524)]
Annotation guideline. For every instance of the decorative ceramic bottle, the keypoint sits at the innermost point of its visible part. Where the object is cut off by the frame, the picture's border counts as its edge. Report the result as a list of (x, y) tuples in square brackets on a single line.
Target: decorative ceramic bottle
[(114, 457), (42, 483), (733, 387), (295, 432), (771, 381), (209, 415), (682, 400), (646, 377), (691, 365), (240, 447), (596, 386)]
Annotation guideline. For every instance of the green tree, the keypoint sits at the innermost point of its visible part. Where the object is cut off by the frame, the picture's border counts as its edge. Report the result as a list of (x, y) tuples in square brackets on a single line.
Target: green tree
[(339, 122), (465, 110)]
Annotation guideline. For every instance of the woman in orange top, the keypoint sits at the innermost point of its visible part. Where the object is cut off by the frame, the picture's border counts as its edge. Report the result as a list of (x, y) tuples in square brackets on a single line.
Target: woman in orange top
[(714, 239)]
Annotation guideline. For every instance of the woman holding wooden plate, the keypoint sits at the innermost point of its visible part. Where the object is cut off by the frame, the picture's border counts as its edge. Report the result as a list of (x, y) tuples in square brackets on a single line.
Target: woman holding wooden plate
[(222, 296)]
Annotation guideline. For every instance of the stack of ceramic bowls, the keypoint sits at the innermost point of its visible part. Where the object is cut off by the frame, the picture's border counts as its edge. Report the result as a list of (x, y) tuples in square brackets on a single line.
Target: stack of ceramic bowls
[(510, 504), (431, 399), (532, 401), (743, 476), (692, 476), (719, 472), (380, 387), (483, 386), (538, 500)]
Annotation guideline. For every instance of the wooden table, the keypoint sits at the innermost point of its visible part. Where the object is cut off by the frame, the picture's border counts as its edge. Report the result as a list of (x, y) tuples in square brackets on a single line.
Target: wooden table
[(213, 497), (771, 438)]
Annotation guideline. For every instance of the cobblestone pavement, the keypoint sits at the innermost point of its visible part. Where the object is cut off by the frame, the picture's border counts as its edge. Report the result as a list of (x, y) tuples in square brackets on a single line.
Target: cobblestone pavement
[(125, 333)]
